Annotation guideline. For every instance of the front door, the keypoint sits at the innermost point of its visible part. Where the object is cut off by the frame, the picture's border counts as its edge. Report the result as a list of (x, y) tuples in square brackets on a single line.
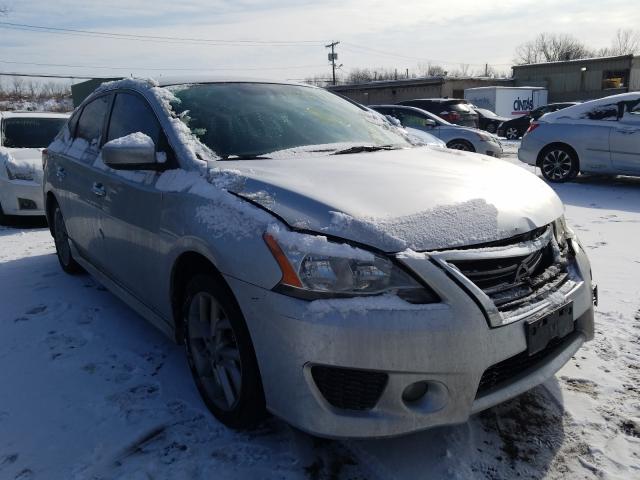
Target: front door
[(133, 205)]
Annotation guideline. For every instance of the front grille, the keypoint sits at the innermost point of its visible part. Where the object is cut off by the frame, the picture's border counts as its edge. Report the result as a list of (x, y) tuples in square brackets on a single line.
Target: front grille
[(349, 389), (506, 370), (515, 282)]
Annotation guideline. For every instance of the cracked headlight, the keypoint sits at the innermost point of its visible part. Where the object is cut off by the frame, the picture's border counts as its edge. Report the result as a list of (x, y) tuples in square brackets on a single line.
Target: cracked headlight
[(314, 267)]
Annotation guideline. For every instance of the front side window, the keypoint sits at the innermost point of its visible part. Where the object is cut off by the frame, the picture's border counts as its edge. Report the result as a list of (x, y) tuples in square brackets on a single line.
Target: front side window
[(411, 120), (131, 114), (252, 119), (30, 132), (92, 119)]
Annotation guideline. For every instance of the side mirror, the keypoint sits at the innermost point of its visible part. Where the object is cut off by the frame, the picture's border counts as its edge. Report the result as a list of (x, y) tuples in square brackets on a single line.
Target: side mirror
[(429, 123), (133, 152)]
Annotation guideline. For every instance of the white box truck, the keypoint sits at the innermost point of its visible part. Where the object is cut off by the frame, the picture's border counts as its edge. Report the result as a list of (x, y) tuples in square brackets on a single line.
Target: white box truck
[(507, 102)]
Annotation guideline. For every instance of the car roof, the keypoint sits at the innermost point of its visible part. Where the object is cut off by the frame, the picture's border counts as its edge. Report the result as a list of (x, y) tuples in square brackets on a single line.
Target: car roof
[(169, 80), (27, 114)]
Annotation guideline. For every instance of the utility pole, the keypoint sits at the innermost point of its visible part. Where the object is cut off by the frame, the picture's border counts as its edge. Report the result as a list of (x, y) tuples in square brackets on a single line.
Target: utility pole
[(333, 56)]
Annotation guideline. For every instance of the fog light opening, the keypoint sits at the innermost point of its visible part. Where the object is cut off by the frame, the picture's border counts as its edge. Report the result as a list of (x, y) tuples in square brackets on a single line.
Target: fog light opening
[(415, 392)]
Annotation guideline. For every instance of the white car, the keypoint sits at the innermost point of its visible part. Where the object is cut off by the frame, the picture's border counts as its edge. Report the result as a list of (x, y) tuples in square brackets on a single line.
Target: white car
[(23, 136)]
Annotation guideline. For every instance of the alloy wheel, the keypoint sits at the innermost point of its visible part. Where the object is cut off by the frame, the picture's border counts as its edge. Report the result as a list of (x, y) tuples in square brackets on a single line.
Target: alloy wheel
[(557, 165), (512, 133), (214, 351)]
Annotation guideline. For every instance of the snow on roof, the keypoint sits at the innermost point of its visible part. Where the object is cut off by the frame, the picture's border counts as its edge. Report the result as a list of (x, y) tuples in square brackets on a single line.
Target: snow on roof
[(14, 114), (166, 81), (579, 110), (578, 60)]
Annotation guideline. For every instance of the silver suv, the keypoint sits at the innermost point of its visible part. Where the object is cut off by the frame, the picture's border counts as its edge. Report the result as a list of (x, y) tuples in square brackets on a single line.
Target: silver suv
[(314, 263)]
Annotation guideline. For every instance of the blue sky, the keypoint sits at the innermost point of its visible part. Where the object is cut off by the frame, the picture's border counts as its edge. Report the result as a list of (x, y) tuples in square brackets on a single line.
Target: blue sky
[(404, 34)]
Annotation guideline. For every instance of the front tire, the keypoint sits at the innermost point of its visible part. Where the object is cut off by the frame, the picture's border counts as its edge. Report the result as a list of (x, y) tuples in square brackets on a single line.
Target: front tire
[(461, 144), (221, 355), (492, 127), (63, 244), (559, 164)]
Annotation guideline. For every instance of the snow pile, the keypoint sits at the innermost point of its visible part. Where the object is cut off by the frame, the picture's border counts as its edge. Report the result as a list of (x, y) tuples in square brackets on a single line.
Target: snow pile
[(24, 167), (134, 140), (316, 244), (474, 221)]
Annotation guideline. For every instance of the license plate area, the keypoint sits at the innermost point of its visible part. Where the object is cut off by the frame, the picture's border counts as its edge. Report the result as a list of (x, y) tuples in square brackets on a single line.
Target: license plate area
[(542, 330)]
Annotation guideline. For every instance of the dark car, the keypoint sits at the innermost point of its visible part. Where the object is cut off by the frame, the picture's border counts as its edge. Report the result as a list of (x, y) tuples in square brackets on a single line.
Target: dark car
[(453, 110), (515, 128), (488, 120)]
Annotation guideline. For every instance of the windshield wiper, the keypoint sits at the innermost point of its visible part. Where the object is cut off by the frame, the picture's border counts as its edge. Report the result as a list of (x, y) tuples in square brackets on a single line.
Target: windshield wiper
[(364, 148)]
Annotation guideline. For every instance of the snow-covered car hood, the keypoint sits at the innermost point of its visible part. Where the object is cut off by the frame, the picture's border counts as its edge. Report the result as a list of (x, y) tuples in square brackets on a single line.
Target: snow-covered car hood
[(419, 198), (22, 160)]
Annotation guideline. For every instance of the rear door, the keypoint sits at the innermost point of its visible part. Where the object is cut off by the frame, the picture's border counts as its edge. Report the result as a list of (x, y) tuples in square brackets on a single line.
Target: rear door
[(73, 177), (133, 204), (625, 141)]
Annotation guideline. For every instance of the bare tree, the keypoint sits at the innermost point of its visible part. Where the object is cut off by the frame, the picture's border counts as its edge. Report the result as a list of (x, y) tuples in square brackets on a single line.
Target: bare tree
[(625, 42), (551, 47), (17, 87)]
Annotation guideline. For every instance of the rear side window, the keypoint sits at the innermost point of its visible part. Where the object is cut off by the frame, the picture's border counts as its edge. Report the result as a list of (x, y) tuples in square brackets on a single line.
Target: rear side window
[(604, 112), (92, 119)]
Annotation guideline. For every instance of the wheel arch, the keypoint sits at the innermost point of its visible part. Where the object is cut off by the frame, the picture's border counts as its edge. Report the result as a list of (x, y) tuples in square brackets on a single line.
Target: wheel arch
[(462, 140), (187, 265)]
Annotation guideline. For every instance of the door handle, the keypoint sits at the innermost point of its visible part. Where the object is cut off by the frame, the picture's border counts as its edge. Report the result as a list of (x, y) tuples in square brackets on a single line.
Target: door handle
[(98, 189), (61, 173)]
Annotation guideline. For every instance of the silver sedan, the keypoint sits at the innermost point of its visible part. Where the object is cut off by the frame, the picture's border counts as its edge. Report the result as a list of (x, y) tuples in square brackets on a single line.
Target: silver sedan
[(455, 136), (315, 264), (601, 136)]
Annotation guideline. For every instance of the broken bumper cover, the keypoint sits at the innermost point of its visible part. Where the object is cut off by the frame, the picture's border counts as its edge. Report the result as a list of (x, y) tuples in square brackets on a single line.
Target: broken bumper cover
[(446, 346)]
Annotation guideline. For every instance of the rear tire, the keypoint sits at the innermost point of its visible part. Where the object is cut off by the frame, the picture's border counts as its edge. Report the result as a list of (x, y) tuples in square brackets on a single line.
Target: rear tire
[(512, 133), (221, 355), (461, 144), (559, 164), (63, 244)]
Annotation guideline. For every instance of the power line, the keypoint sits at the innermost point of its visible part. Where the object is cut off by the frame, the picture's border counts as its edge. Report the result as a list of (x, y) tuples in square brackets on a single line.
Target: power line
[(162, 69), (157, 38), (46, 75)]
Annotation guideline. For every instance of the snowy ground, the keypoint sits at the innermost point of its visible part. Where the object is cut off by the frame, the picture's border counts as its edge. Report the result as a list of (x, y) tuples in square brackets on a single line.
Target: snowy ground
[(91, 391)]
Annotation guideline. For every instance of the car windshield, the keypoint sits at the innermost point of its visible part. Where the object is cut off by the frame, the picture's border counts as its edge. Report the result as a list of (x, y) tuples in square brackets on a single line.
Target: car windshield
[(245, 120), (30, 132)]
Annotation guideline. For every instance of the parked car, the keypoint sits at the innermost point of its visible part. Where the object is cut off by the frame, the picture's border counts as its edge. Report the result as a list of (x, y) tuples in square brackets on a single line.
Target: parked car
[(415, 136), (489, 121), (314, 263), (515, 128), (454, 110), (455, 137), (23, 135), (601, 136)]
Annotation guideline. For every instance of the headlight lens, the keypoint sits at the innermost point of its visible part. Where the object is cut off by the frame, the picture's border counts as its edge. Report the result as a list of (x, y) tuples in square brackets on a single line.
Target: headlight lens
[(19, 175), (561, 231), (314, 267)]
